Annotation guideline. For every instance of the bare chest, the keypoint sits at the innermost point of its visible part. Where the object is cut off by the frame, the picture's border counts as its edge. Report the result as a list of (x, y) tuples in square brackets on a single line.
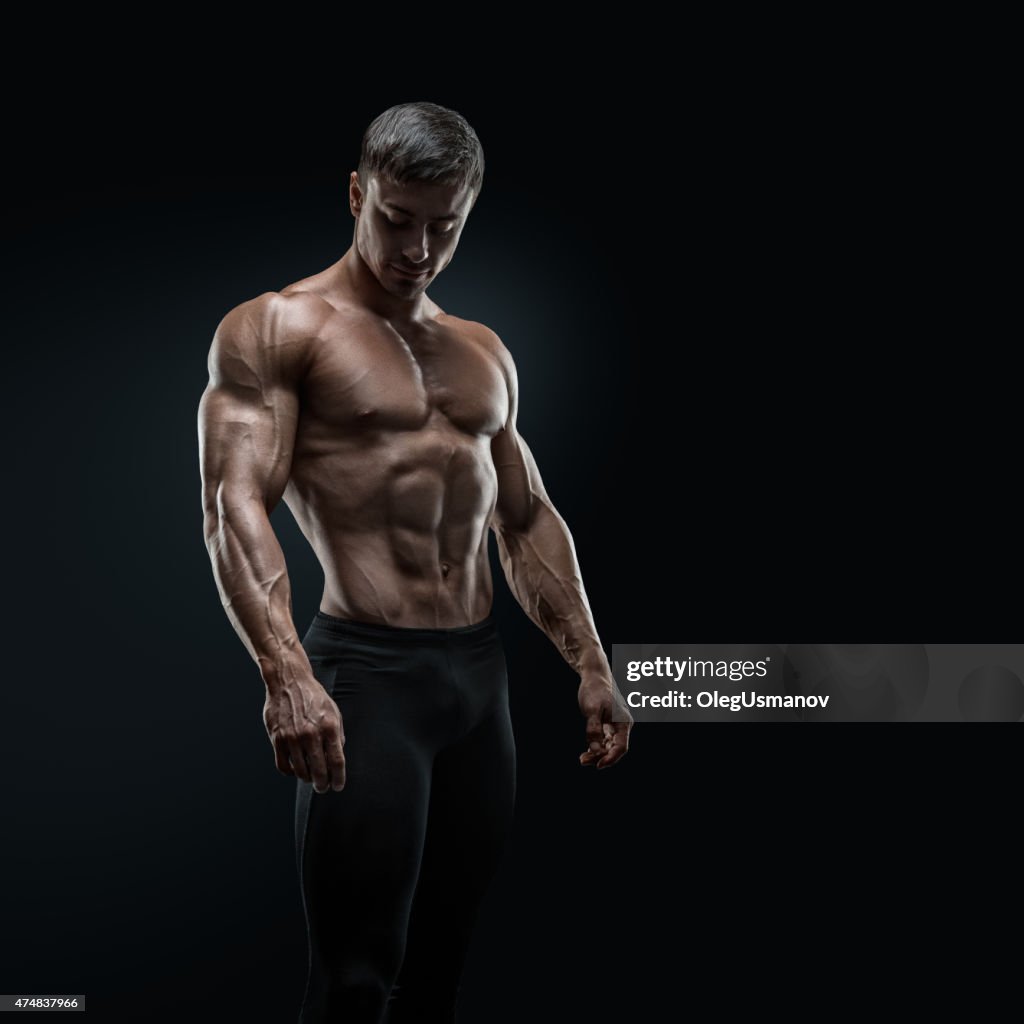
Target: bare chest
[(374, 378)]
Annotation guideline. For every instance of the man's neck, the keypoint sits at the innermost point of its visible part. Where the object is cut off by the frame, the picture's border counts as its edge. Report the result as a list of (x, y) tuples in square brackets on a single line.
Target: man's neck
[(356, 278)]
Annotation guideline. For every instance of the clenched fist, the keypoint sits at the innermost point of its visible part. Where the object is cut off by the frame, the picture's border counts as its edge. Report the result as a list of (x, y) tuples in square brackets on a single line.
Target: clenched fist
[(305, 729)]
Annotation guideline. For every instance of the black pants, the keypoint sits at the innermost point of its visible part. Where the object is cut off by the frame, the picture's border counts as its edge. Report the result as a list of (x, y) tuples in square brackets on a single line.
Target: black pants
[(394, 866)]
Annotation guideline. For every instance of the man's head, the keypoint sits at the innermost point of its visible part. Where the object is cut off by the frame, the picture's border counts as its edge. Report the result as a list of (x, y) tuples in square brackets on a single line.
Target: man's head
[(420, 173)]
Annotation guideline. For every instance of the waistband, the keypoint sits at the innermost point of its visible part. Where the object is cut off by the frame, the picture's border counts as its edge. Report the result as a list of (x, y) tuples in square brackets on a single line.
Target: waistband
[(378, 631)]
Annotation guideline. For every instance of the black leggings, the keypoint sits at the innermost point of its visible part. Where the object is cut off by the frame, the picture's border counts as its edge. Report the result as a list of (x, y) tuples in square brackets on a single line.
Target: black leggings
[(394, 866)]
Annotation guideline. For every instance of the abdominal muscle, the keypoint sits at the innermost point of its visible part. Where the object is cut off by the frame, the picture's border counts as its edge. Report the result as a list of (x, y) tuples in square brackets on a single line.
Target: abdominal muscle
[(399, 524)]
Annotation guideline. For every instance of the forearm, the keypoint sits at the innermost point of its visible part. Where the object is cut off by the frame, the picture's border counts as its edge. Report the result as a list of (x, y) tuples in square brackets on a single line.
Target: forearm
[(543, 573), (251, 575)]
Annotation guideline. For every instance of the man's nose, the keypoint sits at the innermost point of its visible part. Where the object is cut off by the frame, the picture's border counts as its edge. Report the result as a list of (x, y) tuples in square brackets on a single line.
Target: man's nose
[(416, 250)]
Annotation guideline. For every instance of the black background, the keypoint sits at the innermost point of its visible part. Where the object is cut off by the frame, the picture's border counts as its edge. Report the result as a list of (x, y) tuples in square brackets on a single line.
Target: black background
[(738, 383)]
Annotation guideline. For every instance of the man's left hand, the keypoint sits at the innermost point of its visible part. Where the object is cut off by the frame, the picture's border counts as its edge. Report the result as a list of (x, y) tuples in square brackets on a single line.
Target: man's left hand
[(608, 721)]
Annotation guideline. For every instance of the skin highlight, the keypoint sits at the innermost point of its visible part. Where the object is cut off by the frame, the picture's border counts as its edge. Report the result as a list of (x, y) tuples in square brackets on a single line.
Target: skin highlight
[(388, 426)]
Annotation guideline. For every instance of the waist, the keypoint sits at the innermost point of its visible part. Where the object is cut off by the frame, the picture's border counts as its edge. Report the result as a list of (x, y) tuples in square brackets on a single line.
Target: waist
[(380, 631)]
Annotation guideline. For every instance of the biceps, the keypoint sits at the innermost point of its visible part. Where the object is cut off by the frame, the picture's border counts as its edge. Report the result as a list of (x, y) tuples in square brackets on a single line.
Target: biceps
[(246, 445), (520, 488)]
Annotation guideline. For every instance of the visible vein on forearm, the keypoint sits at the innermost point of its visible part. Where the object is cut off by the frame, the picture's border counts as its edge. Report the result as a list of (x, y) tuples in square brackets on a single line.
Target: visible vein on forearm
[(542, 570)]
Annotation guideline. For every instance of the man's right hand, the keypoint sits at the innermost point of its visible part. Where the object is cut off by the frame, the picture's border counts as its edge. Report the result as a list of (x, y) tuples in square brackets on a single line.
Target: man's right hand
[(305, 729)]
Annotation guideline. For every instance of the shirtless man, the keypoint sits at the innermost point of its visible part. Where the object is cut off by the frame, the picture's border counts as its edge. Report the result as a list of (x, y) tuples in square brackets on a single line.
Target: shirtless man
[(389, 428)]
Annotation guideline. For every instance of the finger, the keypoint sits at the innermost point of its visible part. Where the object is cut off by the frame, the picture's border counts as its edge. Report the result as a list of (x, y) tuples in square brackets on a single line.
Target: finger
[(298, 760), (336, 765), (611, 758), (599, 743), (334, 744), (313, 747), (595, 736), (281, 756), (615, 732), (616, 749)]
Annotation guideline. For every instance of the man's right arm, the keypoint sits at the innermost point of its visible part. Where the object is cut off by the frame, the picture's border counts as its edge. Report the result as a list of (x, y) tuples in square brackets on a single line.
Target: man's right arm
[(247, 419), (247, 423)]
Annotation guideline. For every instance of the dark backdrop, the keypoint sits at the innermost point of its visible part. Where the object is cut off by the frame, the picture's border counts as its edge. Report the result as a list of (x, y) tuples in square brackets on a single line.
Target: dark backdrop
[(733, 380)]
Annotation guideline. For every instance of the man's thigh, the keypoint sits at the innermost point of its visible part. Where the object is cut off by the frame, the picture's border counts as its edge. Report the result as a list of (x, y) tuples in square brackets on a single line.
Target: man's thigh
[(472, 798)]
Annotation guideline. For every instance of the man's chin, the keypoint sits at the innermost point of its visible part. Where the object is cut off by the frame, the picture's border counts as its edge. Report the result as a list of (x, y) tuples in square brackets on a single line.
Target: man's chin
[(405, 291)]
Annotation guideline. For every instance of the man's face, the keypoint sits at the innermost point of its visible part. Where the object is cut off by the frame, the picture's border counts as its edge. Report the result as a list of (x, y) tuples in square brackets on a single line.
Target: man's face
[(413, 227)]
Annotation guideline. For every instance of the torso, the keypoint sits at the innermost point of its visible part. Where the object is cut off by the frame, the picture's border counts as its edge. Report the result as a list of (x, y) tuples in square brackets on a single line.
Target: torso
[(392, 480)]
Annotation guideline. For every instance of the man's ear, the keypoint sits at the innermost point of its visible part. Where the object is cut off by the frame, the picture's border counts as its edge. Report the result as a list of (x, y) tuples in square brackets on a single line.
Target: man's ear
[(355, 194)]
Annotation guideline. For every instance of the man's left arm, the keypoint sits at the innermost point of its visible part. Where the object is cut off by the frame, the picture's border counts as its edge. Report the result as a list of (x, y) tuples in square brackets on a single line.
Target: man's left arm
[(539, 559)]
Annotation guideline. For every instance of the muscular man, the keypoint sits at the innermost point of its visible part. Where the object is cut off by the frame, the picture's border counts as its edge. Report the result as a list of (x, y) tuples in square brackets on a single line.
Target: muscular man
[(389, 428)]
